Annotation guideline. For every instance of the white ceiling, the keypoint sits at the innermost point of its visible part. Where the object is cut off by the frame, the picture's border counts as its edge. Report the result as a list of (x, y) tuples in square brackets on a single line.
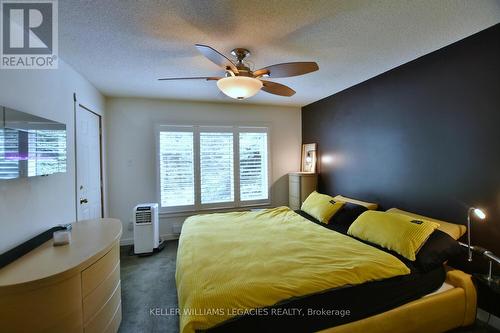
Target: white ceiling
[(123, 46)]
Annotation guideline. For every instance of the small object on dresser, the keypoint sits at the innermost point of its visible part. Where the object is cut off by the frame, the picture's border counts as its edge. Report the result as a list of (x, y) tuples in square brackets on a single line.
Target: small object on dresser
[(62, 237), (309, 156)]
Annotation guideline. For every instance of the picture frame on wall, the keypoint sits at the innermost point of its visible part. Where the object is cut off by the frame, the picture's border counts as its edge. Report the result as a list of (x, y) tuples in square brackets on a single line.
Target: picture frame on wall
[(309, 157)]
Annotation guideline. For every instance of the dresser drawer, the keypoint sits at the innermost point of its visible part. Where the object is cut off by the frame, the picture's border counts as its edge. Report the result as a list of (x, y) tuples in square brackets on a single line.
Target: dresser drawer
[(293, 178), (61, 312), (294, 190), (294, 202), (100, 295), (114, 325), (300, 185), (106, 315), (95, 274)]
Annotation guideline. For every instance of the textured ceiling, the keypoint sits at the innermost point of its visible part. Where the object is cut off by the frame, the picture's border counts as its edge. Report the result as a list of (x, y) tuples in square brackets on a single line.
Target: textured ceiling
[(123, 46)]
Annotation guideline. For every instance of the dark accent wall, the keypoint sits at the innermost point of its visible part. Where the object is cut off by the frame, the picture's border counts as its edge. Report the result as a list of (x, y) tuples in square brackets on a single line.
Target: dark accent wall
[(424, 137)]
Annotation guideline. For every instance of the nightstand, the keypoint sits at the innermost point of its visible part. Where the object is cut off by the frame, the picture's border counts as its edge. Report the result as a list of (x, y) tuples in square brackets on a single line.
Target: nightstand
[(488, 294), (300, 185)]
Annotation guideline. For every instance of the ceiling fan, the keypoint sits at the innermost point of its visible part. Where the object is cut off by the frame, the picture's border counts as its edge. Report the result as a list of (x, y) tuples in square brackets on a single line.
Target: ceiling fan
[(240, 82)]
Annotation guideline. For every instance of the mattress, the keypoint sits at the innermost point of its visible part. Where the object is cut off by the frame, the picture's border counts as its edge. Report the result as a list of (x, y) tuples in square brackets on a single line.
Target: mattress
[(339, 306)]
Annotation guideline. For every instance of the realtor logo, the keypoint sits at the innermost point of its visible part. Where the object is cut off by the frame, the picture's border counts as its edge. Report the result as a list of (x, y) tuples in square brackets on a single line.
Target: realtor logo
[(29, 34)]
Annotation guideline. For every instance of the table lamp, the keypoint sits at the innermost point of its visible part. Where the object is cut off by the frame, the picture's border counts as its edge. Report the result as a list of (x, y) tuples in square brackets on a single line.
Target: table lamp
[(481, 215)]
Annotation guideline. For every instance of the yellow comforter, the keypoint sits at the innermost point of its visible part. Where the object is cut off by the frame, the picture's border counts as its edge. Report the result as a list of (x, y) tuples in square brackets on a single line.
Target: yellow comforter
[(231, 262)]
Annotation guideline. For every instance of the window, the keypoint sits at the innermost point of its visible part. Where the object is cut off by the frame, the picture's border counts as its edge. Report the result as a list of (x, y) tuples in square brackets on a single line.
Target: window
[(176, 169), (253, 166), (216, 167), (204, 167)]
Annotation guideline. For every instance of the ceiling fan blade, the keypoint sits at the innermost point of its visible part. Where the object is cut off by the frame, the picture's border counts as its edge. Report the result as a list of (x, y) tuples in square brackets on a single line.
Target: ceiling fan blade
[(277, 88), (208, 78), (216, 57), (287, 69)]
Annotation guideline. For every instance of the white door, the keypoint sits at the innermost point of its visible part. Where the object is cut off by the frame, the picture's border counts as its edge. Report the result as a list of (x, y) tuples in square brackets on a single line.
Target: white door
[(88, 164)]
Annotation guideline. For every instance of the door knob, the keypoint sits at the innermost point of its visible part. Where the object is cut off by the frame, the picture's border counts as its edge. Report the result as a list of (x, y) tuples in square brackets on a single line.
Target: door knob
[(83, 201)]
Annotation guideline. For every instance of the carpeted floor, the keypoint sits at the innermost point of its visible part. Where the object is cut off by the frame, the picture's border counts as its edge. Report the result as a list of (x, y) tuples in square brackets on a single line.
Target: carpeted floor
[(148, 283), (149, 297)]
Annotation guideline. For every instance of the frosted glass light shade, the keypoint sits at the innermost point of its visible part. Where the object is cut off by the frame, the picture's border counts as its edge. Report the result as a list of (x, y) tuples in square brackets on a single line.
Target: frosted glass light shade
[(479, 213), (239, 87)]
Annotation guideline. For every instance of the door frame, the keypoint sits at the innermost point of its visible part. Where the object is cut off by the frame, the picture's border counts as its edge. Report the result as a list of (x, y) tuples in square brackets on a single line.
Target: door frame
[(77, 105)]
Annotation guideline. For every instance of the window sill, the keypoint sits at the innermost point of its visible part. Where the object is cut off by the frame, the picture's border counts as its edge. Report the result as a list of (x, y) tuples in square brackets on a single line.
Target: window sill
[(214, 210)]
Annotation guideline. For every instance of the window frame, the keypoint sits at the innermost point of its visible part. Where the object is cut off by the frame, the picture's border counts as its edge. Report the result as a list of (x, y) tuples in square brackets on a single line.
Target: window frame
[(196, 130)]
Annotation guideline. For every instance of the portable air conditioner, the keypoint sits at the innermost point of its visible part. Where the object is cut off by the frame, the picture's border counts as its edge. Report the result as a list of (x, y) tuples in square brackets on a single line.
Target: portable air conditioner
[(146, 234)]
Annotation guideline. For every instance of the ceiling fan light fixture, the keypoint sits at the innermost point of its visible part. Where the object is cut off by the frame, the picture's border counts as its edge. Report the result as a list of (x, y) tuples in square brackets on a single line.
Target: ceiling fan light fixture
[(239, 87)]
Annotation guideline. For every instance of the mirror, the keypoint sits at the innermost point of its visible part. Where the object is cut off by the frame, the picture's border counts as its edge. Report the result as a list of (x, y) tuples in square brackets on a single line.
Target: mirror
[(30, 145)]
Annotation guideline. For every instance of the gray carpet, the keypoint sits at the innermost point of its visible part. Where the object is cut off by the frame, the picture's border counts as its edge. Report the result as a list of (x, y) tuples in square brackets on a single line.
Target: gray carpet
[(148, 283)]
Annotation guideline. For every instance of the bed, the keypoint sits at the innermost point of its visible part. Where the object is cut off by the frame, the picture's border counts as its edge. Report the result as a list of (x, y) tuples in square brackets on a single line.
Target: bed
[(250, 271)]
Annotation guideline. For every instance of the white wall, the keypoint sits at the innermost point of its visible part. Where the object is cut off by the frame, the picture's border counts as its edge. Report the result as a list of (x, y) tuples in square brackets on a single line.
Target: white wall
[(30, 206), (131, 148)]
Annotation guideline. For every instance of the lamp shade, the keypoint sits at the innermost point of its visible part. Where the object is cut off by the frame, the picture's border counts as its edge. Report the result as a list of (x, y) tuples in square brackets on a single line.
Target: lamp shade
[(239, 87), (479, 213)]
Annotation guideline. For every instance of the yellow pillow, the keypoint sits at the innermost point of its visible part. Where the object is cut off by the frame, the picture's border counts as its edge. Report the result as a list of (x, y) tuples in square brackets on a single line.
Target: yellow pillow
[(321, 206), (454, 230), (400, 233), (368, 205)]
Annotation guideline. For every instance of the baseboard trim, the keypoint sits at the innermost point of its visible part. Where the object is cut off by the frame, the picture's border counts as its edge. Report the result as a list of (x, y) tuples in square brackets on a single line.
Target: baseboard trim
[(130, 241)]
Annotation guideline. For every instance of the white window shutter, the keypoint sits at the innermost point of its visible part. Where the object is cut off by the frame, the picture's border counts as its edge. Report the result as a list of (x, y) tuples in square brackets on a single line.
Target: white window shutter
[(253, 166), (216, 167), (176, 150)]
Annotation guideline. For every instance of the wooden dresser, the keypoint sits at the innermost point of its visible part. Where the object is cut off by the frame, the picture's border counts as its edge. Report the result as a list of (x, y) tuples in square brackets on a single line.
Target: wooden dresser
[(69, 288), (300, 185)]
